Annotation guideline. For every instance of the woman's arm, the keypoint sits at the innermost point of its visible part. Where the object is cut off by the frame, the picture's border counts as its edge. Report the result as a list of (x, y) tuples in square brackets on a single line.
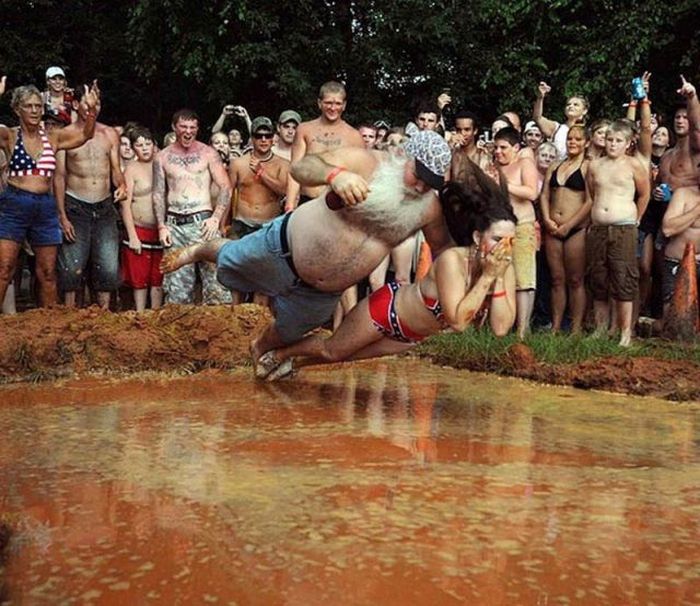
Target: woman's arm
[(546, 125), (549, 225), (502, 308)]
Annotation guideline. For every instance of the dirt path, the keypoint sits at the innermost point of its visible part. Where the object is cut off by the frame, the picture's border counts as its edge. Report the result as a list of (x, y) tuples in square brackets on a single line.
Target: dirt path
[(46, 344)]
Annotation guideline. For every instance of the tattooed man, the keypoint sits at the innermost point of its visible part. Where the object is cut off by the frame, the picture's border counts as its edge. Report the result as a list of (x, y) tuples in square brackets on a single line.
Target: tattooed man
[(182, 174)]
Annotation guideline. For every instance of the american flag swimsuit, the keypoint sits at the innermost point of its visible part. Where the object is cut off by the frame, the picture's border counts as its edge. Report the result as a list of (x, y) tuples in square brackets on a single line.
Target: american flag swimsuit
[(23, 165)]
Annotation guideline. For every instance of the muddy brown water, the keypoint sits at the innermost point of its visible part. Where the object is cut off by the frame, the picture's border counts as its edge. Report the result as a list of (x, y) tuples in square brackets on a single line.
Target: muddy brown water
[(391, 483)]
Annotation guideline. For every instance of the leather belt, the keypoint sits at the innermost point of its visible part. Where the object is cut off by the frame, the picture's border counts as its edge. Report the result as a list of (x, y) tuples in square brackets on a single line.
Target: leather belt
[(176, 219), (285, 246)]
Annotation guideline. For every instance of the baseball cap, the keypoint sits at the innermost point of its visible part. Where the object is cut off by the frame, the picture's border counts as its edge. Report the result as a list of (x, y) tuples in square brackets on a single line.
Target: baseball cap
[(54, 71), (261, 123), (289, 115), (432, 156), (531, 125)]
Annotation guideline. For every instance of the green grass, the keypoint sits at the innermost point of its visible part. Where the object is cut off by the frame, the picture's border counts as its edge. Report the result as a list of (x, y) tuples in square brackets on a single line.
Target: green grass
[(484, 348)]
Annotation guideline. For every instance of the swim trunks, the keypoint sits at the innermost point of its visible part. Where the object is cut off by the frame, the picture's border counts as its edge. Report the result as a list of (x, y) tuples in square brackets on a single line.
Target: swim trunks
[(611, 262), (142, 270)]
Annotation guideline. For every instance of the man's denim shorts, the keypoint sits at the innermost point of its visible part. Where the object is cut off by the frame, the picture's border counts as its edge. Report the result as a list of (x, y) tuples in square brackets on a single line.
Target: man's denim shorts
[(258, 263)]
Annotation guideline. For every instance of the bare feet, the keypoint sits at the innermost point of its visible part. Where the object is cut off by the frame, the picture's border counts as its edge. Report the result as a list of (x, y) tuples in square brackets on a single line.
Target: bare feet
[(178, 258)]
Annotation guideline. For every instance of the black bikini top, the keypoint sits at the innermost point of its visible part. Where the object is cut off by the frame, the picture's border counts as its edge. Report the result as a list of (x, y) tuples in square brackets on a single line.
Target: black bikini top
[(575, 182)]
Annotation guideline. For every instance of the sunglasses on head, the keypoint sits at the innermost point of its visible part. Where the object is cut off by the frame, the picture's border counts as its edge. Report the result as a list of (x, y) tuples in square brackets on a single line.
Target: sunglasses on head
[(262, 136)]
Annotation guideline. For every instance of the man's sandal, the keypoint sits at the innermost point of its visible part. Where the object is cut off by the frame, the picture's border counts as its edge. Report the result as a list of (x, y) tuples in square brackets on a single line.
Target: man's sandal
[(266, 364), (285, 369)]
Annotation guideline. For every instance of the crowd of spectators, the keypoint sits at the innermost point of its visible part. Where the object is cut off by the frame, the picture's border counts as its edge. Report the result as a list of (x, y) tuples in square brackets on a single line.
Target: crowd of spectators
[(605, 205)]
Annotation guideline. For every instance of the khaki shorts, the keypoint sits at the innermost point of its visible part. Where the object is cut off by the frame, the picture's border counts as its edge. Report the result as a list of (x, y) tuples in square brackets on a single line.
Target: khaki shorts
[(611, 262), (524, 249)]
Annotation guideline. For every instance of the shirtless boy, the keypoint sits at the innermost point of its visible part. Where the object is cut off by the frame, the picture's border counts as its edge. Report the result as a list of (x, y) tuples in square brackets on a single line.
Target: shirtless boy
[(142, 253), (521, 178), (88, 217), (185, 214), (618, 187), (260, 177)]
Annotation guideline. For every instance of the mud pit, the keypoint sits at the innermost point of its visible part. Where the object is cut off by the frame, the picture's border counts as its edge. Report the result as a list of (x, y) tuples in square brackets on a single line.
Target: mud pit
[(46, 344)]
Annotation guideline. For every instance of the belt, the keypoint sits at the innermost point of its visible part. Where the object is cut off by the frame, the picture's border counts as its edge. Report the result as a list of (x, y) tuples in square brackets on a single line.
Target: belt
[(286, 253), (185, 219)]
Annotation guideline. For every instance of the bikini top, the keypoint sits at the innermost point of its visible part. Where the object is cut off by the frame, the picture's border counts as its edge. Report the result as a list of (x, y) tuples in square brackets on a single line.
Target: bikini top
[(23, 165), (575, 181)]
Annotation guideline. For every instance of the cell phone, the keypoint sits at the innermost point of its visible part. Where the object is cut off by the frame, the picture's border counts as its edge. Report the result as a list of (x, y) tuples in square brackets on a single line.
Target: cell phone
[(488, 137)]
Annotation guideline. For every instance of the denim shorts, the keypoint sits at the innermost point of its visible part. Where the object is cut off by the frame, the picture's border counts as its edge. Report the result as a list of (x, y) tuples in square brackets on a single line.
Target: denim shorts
[(258, 263), (28, 216), (95, 252)]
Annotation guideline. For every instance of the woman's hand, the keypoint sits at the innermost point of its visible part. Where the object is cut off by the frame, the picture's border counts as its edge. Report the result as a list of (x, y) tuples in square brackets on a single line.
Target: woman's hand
[(543, 89), (498, 259)]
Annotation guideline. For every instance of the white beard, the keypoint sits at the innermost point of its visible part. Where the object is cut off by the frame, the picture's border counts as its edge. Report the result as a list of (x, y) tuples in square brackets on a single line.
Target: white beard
[(391, 212)]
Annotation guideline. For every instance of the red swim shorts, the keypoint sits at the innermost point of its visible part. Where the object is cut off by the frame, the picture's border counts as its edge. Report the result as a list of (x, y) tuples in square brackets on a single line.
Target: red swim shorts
[(143, 271)]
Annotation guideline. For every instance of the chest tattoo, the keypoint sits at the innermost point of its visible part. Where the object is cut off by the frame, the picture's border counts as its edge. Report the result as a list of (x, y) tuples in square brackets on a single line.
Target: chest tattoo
[(184, 161)]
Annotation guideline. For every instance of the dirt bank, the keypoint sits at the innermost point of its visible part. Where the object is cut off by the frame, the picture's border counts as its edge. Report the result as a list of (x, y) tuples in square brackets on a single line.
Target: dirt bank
[(45, 344)]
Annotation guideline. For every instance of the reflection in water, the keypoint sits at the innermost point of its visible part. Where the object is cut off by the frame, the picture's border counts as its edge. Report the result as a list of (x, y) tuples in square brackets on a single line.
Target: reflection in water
[(390, 482)]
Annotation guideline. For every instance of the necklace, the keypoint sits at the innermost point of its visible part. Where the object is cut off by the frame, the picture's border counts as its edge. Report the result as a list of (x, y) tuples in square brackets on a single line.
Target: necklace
[(268, 157)]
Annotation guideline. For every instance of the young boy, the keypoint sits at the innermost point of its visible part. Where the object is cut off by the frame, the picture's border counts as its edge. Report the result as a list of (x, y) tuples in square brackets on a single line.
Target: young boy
[(618, 185), (521, 178), (141, 255)]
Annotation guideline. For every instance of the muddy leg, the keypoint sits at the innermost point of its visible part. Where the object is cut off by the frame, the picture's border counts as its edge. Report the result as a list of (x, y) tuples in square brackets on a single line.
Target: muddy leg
[(202, 251)]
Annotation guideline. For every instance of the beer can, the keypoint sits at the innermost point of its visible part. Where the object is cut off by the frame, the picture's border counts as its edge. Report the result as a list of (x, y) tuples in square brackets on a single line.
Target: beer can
[(666, 191), (638, 91)]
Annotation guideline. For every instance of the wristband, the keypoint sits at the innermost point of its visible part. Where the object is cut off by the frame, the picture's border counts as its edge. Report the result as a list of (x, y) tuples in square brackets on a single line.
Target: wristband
[(500, 293), (334, 173), (633, 103), (645, 100)]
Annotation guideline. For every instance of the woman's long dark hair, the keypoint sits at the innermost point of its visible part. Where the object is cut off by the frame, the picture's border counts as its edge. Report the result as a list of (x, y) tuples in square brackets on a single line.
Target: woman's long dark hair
[(472, 201)]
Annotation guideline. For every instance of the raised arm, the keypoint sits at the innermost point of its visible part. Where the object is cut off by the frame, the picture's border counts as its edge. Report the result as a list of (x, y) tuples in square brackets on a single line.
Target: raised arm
[(645, 133), (226, 111), (74, 135), (690, 94), (546, 125)]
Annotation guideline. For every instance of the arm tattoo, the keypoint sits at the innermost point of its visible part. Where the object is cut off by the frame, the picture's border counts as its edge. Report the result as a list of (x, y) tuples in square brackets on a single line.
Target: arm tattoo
[(159, 192), (223, 202)]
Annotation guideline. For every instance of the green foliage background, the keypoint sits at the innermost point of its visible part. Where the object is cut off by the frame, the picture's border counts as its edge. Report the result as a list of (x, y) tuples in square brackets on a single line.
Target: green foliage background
[(154, 56)]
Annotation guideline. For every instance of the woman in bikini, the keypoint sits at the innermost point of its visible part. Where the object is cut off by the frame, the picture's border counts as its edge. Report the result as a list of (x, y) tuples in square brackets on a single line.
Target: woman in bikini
[(565, 215), (27, 206), (476, 277)]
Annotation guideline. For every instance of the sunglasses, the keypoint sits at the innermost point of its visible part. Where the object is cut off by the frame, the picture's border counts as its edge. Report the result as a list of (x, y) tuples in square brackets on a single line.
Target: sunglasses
[(263, 136)]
